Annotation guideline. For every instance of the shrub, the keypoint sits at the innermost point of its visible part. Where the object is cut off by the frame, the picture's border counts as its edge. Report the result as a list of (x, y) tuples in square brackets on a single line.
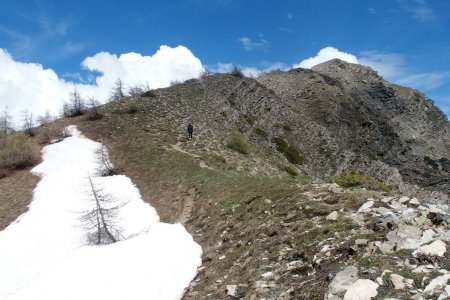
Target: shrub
[(359, 179), (290, 170), (250, 120), (261, 132), (236, 71), (149, 94), (290, 152), (237, 143), (19, 153), (219, 158), (131, 107), (287, 128), (429, 161)]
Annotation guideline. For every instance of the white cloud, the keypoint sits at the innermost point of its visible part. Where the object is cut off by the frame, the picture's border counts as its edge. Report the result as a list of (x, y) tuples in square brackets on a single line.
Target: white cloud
[(420, 10), (248, 71), (250, 45), (388, 65), (31, 86), (425, 81), (324, 55)]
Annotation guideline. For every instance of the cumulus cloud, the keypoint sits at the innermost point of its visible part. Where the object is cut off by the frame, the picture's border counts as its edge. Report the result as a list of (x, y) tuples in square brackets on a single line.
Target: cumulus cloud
[(31, 86), (324, 55), (389, 65)]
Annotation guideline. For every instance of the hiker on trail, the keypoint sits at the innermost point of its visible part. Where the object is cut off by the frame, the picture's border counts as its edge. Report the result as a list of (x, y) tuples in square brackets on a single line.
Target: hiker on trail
[(190, 129)]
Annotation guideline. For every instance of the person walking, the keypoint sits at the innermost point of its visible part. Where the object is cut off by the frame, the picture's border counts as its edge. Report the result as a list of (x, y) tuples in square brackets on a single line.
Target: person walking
[(190, 130)]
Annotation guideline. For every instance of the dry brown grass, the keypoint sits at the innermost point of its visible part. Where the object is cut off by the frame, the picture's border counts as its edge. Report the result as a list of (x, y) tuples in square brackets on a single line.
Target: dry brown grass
[(16, 193)]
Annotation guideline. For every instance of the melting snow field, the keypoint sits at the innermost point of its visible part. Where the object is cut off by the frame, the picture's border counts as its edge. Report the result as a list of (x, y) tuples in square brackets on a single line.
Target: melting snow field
[(44, 253)]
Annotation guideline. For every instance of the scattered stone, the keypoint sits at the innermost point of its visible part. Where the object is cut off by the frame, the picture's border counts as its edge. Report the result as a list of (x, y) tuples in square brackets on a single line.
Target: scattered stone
[(267, 274), (409, 214), (437, 218), (427, 236), (407, 237), (232, 290), (414, 201), (387, 199), (362, 289), (343, 280), (403, 199), (386, 247), (436, 248), (365, 207), (445, 294), (361, 242), (332, 216), (398, 206), (335, 188), (437, 285), (398, 281), (382, 210)]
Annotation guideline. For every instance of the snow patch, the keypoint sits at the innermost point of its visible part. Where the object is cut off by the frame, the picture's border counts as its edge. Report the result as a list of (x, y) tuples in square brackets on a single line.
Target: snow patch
[(44, 253)]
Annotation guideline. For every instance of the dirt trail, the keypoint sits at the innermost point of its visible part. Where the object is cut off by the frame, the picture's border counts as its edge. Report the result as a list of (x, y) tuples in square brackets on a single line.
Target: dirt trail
[(188, 203)]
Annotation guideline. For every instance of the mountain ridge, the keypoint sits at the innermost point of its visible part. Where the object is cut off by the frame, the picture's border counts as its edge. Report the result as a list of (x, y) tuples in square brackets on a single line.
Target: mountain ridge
[(253, 186)]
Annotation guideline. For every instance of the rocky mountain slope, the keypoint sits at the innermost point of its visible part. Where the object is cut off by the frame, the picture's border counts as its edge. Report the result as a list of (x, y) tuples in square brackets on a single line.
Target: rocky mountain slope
[(254, 186), (362, 122)]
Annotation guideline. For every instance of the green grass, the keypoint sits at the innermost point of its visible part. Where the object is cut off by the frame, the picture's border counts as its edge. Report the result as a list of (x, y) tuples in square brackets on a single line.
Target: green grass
[(261, 132), (291, 153), (359, 179), (290, 170)]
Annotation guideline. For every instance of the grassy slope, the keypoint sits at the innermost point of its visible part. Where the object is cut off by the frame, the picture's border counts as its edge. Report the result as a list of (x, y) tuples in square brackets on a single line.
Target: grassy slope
[(247, 224)]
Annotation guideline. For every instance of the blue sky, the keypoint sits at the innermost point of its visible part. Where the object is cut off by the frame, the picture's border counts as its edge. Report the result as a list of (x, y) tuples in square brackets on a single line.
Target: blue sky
[(407, 41)]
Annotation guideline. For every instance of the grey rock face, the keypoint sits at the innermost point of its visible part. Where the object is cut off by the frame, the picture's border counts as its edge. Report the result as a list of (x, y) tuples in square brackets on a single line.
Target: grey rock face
[(363, 123)]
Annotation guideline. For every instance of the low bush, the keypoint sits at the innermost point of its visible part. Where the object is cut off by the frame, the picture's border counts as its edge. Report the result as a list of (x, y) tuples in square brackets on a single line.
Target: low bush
[(131, 107), (219, 158), (290, 170), (260, 132), (19, 153), (237, 143), (290, 152), (359, 179)]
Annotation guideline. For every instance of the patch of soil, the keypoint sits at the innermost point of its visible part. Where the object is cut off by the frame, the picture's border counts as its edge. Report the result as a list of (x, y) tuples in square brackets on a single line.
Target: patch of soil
[(16, 192)]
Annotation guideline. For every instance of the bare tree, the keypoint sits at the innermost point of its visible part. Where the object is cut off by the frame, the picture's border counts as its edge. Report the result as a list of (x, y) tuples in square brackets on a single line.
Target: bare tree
[(75, 106), (94, 112), (100, 222), (237, 72), (28, 122), (136, 90), (44, 119), (106, 168), (117, 91), (6, 127)]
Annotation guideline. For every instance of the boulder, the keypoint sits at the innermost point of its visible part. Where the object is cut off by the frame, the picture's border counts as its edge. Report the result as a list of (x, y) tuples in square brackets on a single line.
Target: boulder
[(365, 207), (343, 280), (437, 285), (362, 289), (398, 281), (436, 248), (332, 216), (414, 201)]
